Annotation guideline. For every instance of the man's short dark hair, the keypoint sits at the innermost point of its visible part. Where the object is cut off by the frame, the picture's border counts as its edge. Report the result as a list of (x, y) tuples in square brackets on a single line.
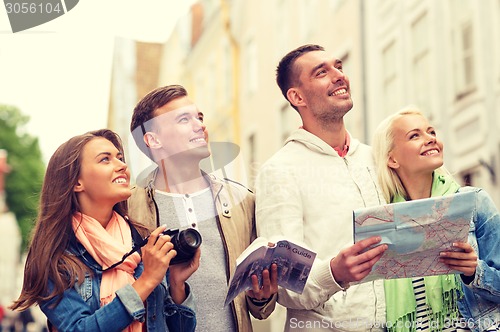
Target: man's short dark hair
[(145, 108), (285, 75)]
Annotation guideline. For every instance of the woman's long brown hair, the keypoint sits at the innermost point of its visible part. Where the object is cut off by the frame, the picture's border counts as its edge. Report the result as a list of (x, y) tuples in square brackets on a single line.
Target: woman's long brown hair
[(47, 256)]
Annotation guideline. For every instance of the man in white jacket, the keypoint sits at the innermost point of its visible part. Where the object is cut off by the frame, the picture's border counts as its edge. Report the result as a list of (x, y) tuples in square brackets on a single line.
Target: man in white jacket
[(307, 191)]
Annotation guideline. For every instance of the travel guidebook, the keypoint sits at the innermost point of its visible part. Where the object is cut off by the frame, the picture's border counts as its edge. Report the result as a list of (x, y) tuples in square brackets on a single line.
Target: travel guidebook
[(294, 265), (416, 232)]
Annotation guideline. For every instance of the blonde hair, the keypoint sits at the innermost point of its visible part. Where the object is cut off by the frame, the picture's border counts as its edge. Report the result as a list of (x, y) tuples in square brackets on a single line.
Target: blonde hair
[(383, 144)]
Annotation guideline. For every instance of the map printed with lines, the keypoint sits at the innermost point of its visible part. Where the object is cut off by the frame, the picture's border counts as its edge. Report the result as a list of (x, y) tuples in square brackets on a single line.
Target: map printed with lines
[(415, 232)]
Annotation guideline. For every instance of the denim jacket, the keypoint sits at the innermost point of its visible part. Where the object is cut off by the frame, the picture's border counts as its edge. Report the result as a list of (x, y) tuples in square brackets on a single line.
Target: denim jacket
[(80, 310), (480, 304)]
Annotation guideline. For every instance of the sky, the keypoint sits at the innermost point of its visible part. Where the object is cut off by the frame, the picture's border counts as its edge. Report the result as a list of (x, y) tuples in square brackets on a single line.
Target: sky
[(58, 73)]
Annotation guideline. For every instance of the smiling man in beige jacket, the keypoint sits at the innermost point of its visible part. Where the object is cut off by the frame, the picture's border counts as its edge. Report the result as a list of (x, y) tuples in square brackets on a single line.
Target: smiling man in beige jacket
[(168, 127)]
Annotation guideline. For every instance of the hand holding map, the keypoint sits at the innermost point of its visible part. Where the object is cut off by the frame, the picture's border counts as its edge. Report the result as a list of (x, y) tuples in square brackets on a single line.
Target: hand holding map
[(415, 232)]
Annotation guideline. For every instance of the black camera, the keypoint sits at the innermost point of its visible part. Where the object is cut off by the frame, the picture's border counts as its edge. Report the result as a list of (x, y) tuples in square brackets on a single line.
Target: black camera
[(185, 243)]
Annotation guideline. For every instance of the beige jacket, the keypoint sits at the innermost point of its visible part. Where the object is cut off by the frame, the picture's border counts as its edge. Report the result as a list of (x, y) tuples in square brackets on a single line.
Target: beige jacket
[(235, 207)]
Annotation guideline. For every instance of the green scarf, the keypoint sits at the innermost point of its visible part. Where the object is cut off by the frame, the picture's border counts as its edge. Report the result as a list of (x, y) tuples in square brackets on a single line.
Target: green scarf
[(440, 291)]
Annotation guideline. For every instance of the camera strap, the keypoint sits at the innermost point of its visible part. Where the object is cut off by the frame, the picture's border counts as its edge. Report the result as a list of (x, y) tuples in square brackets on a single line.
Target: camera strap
[(137, 243)]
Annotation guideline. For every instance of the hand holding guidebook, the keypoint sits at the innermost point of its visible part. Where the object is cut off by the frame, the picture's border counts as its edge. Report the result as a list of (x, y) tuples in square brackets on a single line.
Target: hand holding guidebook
[(294, 264)]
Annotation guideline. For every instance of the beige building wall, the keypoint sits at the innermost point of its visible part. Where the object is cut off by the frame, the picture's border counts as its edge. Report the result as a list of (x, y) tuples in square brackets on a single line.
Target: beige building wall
[(230, 69), (230, 73), (123, 93), (207, 67), (11, 273), (135, 72), (174, 52), (443, 57), (263, 32), (440, 55)]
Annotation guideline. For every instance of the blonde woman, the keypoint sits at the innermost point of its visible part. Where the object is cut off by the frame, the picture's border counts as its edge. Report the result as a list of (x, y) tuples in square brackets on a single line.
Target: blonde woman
[(409, 158)]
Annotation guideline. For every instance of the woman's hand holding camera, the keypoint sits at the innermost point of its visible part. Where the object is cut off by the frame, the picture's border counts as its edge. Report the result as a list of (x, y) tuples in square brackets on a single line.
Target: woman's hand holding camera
[(156, 257)]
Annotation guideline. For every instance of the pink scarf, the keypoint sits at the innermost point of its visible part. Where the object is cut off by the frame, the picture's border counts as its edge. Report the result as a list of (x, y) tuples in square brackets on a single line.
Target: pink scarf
[(107, 246)]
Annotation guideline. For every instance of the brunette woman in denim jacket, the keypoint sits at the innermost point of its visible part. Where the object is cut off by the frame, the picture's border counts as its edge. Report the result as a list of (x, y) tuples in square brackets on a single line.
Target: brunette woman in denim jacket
[(82, 268), (409, 158)]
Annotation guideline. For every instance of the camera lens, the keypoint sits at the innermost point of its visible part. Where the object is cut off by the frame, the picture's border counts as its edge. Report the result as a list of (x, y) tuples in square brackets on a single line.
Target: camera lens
[(185, 243), (190, 237)]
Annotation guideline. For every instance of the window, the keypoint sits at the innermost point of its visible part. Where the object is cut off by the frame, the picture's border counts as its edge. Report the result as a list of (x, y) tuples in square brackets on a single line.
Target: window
[(200, 91), (421, 63), (390, 92), (498, 34), (463, 47), (467, 53), (227, 72), (283, 14), (252, 157), (350, 121), (250, 65), (211, 89), (346, 64), (307, 10), (464, 59), (467, 179), (287, 124)]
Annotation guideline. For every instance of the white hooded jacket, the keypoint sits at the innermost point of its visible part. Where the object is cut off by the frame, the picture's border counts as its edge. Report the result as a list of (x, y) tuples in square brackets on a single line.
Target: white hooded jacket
[(307, 193)]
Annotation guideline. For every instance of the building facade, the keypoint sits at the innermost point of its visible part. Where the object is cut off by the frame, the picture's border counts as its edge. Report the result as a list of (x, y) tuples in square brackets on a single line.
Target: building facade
[(443, 57), (439, 55)]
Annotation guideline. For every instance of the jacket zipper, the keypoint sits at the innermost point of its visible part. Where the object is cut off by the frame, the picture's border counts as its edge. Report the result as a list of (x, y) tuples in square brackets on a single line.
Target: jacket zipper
[(359, 190), (233, 308)]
